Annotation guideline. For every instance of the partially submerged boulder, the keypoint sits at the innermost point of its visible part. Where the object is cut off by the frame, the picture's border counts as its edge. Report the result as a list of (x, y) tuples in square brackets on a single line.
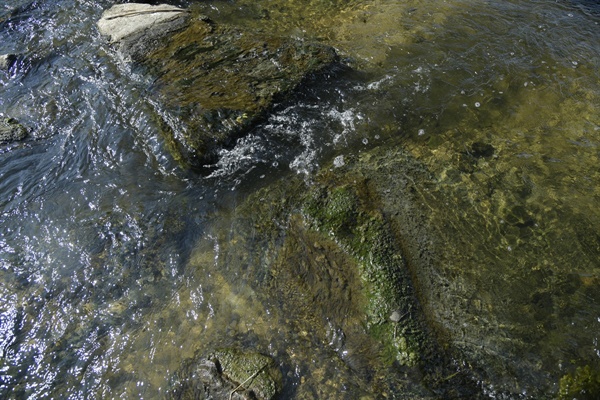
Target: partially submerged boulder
[(138, 28), (218, 80), (228, 374), (6, 61), (11, 130)]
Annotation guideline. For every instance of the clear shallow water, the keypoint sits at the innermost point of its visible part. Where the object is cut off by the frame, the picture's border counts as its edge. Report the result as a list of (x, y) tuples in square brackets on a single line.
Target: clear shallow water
[(105, 243)]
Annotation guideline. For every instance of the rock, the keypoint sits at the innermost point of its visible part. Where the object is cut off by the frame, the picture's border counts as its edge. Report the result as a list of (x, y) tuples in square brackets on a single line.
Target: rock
[(330, 258), (228, 374), (138, 28), (11, 130), (221, 81), (218, 80), (432, 298), (6, 61)]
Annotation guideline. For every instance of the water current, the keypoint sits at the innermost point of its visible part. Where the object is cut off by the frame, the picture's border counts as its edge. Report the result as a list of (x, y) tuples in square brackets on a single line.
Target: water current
[(101, 231)]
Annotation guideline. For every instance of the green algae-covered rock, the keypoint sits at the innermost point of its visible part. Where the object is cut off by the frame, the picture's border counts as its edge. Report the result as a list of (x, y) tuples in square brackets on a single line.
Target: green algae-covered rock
[(334, 261), (347, 213), (220, 80), (337, 315), (215, 79), (583, 384), (11, 130), (228, 374), (251, 372)]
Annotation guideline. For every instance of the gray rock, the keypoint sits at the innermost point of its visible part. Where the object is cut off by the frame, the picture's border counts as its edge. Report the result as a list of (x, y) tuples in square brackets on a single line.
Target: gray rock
[(218, 80), (6, 61), (11, 130), (138, 28), (227, 374)]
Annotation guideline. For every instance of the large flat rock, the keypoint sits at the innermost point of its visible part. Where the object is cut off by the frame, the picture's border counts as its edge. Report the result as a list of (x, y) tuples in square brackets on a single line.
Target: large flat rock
[(217, 80), (138, 28)]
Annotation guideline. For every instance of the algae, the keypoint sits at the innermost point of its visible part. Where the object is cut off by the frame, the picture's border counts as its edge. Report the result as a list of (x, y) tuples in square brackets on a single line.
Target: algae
[(366, 236), (252, 372), (221, 80), (11, 130), (582, 384), (227, 373)]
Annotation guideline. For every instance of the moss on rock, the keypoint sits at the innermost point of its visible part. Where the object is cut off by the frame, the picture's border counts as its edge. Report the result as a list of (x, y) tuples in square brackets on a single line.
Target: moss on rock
[(11, 130), (582, 384), (220, 80), (227, 373), (347, 213)]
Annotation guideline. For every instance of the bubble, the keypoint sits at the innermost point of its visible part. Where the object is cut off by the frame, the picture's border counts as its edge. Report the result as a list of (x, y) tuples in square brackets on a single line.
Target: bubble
[(421, 132), (365, 141), (377, 137), (275, 164), (477, 104)]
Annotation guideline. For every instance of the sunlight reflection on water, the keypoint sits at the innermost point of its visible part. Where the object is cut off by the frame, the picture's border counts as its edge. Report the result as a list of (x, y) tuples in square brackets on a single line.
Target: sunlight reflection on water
[(98, 222)]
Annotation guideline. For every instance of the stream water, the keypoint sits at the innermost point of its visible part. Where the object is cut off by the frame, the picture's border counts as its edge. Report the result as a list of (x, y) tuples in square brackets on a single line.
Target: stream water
[(101, 231)]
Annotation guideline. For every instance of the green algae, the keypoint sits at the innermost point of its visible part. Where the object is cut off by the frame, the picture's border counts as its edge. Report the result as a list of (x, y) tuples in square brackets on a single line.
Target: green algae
[(583, 384), (11, 130), (364, 233), (249, 371), (221, 80)]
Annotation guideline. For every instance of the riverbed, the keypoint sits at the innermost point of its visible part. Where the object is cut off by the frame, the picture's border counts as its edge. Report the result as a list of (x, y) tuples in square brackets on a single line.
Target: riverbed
[(116, 263)]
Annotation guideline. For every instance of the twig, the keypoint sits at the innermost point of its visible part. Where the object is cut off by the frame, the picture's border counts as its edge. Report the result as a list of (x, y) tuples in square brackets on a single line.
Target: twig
[(142, 12), (249, 378)]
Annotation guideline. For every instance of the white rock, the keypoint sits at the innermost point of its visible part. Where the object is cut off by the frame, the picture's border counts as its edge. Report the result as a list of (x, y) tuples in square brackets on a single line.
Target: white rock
[(6, 60), (123, 20)]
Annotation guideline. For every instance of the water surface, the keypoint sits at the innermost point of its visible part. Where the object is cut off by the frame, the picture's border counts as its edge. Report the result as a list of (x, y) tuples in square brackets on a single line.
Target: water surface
[(112, 260)]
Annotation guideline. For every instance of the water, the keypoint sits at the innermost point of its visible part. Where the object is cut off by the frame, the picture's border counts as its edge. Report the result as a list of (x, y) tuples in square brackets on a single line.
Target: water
[(115, 264)]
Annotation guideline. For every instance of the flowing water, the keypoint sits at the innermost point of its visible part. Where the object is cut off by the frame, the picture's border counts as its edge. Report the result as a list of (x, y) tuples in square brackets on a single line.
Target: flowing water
[(111, 257)]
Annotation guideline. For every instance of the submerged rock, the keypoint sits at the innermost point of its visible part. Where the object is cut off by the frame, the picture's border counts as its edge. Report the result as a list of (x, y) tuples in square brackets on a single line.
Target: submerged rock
[(11, 130), (217, 80), (330, 258), (228, 374), (376, 243)]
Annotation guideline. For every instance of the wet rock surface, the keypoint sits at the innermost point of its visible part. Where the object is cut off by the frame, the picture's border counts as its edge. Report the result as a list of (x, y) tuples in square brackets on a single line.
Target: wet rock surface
[(326, 262), (227, 374), (358, 259), (11, 130), (217, 80)]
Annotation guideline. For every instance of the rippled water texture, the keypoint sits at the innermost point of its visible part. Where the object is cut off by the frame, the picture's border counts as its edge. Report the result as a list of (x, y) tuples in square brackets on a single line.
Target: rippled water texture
[(113, 265)]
